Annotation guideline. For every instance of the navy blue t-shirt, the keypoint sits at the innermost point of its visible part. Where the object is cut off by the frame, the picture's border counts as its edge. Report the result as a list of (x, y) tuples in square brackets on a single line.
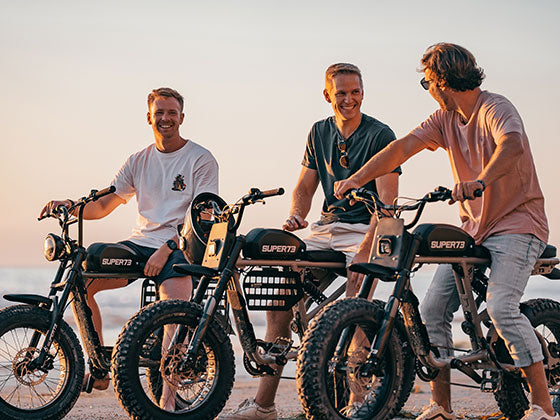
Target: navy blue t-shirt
[(322, 154)]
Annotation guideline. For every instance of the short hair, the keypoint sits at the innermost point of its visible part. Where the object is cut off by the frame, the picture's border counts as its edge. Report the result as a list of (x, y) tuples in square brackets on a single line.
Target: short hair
[(165, 92), (452, 66), (342, 68)]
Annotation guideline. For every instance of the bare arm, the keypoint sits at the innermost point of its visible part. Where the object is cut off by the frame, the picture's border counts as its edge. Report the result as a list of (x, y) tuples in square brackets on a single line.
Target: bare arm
[(93, 210), (395, 154), (508, 151), (301, 199)]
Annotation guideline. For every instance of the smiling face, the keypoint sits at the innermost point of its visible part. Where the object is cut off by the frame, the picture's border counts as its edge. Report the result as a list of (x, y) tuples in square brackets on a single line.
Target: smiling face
[(165, 117), (345, 93)]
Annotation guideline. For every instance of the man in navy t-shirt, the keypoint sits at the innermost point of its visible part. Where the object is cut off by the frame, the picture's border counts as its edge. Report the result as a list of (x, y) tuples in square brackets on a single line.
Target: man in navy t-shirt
[(336, 148)]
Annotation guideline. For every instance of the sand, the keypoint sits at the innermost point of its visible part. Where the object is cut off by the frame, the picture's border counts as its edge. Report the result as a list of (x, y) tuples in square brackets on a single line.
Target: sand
[(468, 403)]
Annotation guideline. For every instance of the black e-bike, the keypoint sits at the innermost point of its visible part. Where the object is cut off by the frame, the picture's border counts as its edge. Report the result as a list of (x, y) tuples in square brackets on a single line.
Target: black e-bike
[(264, 270), (41, 359), (356, 354)]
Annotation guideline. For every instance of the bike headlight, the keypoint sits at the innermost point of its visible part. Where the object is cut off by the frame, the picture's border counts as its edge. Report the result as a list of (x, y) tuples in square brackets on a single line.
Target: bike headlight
[(53, 247)]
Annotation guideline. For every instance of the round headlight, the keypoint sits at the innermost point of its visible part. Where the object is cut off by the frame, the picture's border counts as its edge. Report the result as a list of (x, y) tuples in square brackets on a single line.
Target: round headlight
[(53, 247)]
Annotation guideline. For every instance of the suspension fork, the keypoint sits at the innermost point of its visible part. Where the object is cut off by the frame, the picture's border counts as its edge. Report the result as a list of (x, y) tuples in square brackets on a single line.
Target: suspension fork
[(211, 305), (348, 333), (402, 286), (58, 306)]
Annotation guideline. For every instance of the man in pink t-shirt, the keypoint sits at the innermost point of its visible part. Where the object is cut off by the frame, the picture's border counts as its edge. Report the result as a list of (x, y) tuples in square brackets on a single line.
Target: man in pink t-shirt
[(488, 149)]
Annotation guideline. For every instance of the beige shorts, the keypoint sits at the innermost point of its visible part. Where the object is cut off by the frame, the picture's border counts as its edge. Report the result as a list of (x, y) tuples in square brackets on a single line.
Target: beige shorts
[(337, 236)]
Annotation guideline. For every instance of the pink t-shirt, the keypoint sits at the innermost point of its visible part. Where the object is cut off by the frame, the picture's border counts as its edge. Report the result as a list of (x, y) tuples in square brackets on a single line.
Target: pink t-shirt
[(512, 204)]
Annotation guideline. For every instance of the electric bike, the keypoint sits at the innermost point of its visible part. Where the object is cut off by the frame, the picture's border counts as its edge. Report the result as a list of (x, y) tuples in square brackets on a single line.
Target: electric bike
[(41, 360), (265, 270), (368, 349)]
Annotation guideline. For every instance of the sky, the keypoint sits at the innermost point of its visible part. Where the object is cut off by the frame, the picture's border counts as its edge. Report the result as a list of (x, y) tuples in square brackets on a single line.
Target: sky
[(75, 76)]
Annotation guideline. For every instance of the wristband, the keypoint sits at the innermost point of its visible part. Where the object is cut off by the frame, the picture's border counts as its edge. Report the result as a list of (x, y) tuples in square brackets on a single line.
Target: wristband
[(481, 183)]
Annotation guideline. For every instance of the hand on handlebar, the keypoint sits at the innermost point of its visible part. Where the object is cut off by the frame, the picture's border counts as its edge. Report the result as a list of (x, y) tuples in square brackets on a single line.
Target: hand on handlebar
[(342, 187), (51, 206), (294, 222), (465, 191)]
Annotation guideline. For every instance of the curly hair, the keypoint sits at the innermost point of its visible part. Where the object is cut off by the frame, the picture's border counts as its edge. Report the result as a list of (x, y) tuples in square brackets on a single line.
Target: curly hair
[(341, 68), (165, 92), (452, 66)]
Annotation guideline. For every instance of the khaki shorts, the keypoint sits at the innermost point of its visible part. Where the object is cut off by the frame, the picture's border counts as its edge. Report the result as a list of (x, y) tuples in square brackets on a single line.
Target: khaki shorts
[(337, 236)]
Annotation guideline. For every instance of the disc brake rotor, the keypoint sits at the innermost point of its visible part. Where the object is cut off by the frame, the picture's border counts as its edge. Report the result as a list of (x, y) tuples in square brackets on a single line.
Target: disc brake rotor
[(202, 369), (21, 371), (358, 384)]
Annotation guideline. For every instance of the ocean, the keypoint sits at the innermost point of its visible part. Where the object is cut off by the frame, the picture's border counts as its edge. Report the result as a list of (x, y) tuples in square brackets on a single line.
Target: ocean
[(117, 306)]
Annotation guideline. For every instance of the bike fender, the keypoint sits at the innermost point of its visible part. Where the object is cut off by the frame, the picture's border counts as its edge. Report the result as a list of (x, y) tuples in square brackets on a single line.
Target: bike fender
[(34, 300)]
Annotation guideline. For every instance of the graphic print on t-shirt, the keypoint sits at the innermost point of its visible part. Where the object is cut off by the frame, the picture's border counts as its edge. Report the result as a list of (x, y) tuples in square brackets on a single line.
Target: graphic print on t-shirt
[(179, 183)]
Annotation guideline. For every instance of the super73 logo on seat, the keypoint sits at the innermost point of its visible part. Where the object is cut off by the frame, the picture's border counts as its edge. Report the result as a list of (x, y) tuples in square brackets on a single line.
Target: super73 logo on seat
[(448, 244), (116, 261), (279, 248)]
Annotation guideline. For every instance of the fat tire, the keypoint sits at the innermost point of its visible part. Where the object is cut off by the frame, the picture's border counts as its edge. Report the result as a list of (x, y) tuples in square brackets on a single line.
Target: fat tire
[(38, 319), (318, 344), (511, 395), (125, 370)]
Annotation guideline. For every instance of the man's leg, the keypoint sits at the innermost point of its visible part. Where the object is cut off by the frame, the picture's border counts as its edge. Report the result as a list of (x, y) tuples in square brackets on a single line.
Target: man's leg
[(277, 325), (513, 258), (437, 309), (93, 286), (172, 288)]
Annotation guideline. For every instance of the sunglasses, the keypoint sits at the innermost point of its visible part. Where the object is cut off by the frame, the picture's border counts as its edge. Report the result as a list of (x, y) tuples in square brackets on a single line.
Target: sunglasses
[(344, 161), (425, 83)]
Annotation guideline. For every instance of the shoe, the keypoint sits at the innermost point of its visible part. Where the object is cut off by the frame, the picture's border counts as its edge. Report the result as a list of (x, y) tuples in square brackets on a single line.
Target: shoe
[(537, 413), (250, 410), (93, 383), (434, 411), (351, 409)]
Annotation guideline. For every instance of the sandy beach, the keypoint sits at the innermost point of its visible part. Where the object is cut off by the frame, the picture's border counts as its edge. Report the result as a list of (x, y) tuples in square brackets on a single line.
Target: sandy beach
[(468, 403)]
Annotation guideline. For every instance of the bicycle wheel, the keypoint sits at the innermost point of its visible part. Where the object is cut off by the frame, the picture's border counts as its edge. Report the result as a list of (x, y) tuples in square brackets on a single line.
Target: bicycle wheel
[(511, 395), (200, 389), (328, 387), (28, 392)]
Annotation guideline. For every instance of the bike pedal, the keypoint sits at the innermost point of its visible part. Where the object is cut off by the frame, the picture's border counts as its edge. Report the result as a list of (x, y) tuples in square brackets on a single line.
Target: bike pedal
[(488, 383), (280, 347)]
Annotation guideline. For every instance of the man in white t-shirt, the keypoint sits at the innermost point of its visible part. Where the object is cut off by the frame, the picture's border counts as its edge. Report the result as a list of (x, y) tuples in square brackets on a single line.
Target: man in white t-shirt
[(164, 177)]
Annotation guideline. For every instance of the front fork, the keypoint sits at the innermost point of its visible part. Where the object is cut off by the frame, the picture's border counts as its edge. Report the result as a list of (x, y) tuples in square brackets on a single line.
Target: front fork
[(237, 302)]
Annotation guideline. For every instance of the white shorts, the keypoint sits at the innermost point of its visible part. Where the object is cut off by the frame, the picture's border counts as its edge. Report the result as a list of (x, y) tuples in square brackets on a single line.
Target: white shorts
[(337, 236)]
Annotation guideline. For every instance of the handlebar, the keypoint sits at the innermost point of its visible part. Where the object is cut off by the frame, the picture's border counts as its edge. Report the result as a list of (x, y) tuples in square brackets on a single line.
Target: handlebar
[(94, 195), (255, 195), (374, 204)]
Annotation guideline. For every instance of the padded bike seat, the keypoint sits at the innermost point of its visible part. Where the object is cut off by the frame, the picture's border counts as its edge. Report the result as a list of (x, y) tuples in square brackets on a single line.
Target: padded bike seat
[(195, 270), (549, 252), (324, 256), (383, 273)]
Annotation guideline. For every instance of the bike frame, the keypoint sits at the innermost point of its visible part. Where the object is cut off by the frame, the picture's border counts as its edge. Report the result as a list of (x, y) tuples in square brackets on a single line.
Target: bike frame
[(69, 282), (481, 356), (225, 267)]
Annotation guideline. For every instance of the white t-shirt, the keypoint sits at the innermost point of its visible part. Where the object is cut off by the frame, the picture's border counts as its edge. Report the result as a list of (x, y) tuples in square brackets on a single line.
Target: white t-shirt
[(164, 185)]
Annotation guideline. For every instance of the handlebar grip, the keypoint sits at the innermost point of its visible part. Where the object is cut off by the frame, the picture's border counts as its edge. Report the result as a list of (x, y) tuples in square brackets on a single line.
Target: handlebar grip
[(104, 192), (477, 193), (272, 193)]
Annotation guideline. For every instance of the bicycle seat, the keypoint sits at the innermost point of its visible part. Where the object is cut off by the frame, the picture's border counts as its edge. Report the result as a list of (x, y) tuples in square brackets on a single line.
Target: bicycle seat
[(113, 260), (195, 270), (383, 273), (549, 252)]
